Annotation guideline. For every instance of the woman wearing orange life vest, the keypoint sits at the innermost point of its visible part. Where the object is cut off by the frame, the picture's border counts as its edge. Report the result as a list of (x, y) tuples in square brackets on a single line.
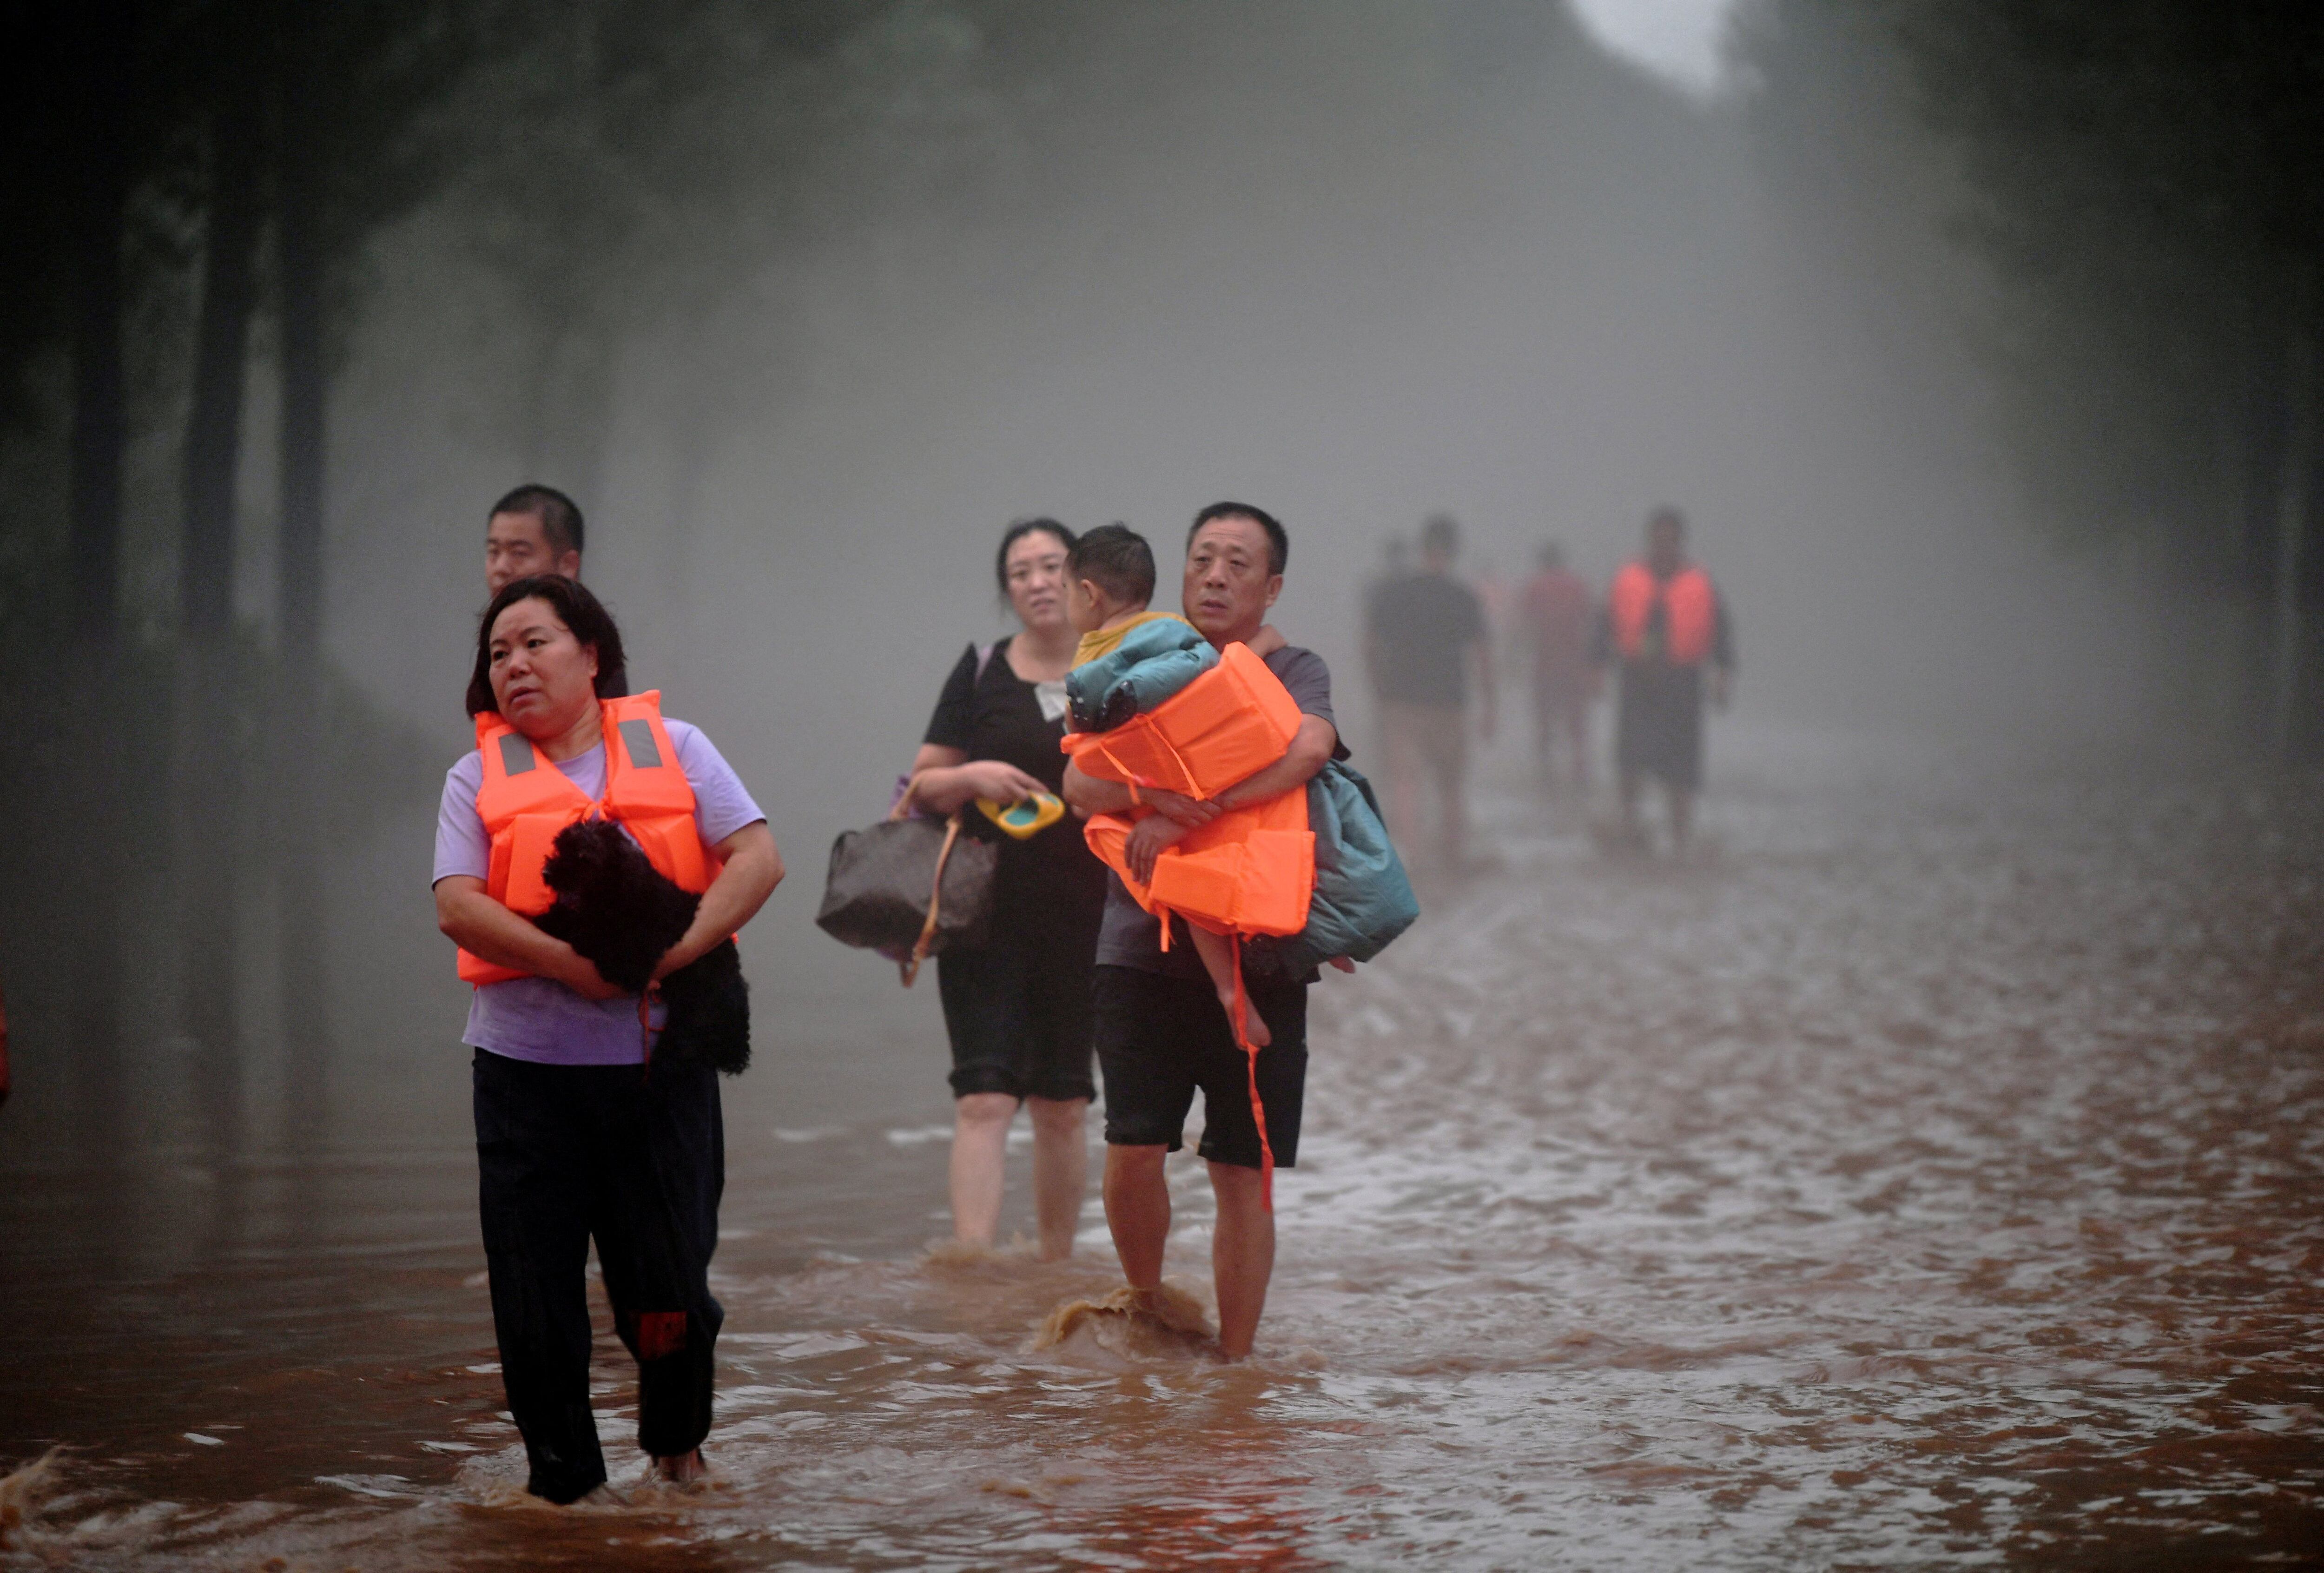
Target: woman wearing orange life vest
[(1666, 625), (574, 1137)]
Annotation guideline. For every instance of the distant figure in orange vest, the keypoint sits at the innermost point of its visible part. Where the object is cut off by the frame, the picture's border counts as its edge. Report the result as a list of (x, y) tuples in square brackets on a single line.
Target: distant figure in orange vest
[(1665, 623), (1558, 608)]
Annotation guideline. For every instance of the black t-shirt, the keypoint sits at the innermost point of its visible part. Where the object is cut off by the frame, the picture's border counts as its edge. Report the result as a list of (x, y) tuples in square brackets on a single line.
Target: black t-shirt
[(1423, 625), (1132, 935), (1000, 715)]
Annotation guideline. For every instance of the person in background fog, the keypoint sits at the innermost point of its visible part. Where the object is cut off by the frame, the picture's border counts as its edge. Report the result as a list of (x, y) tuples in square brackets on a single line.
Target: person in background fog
[(1017, 1009), (1395, 562), (1667, 625), (1557, 608), (579, 1134), (1428, 640), (537, 530)]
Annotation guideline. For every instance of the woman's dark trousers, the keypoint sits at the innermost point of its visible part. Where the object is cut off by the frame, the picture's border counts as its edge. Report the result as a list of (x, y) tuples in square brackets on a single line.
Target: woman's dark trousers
[(565, 1153)]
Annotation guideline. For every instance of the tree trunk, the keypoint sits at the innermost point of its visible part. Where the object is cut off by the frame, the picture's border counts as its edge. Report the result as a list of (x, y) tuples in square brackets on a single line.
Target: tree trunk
[(2294, 483), (300, 563), (305, 725), (568, 401), (98, 433), (99, 415), (207, 777), (214, 426)]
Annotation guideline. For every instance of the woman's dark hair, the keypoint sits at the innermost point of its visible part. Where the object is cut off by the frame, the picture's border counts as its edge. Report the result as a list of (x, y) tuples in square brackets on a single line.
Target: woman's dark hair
[(1017, 533), (575, 606)]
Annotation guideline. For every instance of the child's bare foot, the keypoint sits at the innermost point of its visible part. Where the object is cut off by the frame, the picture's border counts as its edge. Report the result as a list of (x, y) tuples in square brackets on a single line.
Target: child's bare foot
[(1254, 1025), (681, 1468)]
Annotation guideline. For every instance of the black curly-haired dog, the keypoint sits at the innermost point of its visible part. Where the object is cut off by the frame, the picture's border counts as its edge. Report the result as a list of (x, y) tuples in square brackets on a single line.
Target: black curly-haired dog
[(618, 910)]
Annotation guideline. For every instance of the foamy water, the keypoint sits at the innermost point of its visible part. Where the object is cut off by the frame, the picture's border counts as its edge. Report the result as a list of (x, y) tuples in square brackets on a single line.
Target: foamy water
[(1929, 1177)]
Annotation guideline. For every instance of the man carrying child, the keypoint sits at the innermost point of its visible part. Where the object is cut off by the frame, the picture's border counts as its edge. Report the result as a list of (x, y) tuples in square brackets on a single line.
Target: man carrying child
[(1162, 1020)]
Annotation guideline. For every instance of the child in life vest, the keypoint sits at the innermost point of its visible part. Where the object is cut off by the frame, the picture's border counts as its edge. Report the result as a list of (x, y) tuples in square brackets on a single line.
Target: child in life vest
[(1130, 660)]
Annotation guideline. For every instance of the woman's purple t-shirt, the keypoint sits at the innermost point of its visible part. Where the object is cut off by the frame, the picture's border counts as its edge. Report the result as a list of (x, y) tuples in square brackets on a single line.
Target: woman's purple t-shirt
[(538, 1018)]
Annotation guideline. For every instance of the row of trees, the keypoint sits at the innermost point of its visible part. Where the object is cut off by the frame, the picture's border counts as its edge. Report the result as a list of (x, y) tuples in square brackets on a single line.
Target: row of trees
[(2145, 179), (193, 189), (176, 172)]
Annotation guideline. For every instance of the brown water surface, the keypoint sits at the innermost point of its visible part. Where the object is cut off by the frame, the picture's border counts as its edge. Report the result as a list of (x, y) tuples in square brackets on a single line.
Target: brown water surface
[(1929, 1177)]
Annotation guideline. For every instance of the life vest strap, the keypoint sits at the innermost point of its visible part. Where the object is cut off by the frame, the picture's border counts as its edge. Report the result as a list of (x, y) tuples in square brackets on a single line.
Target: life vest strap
[(1240, 1019), (910, 967)]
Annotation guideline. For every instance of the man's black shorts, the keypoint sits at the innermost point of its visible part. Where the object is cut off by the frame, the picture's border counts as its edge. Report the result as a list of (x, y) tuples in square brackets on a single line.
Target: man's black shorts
[(1160, 1038)]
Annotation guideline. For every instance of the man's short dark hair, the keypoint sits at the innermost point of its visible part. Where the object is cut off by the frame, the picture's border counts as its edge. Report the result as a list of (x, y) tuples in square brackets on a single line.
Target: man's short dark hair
[(1665, 511), (1116, 559), (1278, 544), (559, 515), (1441, 532), (575, 606)]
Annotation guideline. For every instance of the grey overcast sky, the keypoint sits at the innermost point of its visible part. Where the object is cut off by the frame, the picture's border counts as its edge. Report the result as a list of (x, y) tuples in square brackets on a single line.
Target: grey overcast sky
[(1675, 39)]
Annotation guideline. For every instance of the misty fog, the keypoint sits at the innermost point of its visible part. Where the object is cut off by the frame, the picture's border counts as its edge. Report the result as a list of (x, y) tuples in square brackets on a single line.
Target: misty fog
[(806, 313), (1353, 264)]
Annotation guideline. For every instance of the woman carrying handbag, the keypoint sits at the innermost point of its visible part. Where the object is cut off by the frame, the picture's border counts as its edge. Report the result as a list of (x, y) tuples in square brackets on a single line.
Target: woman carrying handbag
[(1016, 1007)]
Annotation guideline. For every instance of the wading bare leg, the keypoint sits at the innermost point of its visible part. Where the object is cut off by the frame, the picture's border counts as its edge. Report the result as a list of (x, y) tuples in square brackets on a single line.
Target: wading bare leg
[(1451, 760), (1137, 1211), (1400, 751), (1060, 1171), (979, 1148), (1242, 1255)]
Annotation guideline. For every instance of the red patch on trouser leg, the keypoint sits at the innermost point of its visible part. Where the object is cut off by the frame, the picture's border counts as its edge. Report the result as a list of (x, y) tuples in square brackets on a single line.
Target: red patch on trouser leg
[(660, 1333)]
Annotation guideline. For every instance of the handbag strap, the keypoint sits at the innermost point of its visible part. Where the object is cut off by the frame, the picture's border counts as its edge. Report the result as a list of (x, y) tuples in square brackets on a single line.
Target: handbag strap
[(903, 803), (909, 968)]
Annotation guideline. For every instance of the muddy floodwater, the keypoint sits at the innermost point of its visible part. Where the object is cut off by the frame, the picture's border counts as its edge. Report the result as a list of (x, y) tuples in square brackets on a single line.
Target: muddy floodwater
[(1932, 1176)]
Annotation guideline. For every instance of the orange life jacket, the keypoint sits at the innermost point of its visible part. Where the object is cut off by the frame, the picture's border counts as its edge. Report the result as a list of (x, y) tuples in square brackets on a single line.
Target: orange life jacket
[(525, 800), (1232, 722), (1250, 871), (1691, 612)]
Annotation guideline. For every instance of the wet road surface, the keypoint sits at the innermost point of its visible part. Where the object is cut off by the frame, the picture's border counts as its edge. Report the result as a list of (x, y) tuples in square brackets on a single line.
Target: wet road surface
[(1927, 1177)]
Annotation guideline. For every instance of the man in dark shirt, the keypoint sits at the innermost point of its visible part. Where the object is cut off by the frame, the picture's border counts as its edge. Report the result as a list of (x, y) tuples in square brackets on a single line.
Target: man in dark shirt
[(1427, 633), (537, 530), (1161, 1033)]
